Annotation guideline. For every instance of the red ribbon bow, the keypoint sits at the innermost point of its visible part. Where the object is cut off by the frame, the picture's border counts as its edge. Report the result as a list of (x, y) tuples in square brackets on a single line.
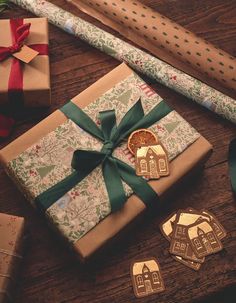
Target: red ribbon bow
[(21, 33)]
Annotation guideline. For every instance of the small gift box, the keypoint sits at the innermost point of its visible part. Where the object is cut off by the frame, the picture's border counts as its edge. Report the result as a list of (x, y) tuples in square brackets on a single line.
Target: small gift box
[(76, 168), (11, 243), (24, 62)]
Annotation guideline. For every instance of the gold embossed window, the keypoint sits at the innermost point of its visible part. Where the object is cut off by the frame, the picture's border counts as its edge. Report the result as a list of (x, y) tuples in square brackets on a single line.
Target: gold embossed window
[(155, 278), (139, 280), (143, 165)]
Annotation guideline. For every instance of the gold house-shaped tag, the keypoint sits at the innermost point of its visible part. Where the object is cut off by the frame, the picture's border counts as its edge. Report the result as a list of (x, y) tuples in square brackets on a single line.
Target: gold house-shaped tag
[(151, 161), (146, 278)]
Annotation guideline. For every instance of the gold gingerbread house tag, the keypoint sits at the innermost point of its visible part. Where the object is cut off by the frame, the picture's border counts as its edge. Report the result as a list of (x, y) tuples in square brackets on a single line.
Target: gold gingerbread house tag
[(146, 278), (151, 161)]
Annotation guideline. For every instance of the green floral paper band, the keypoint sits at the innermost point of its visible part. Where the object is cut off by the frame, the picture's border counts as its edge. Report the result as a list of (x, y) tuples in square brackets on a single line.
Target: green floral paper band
[(137, 59), (48, 161)]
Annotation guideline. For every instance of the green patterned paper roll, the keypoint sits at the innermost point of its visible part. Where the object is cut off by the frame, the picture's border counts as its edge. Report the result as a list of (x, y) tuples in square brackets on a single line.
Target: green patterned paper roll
[(139, 60)]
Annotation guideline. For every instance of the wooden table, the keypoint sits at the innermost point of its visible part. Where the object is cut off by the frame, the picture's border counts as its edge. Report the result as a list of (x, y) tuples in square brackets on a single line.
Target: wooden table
[(50, 272)]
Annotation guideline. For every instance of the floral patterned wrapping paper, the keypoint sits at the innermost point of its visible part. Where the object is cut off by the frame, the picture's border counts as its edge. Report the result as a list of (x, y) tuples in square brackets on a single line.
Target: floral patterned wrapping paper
[(139, 60), (11, 240), (49, 160)]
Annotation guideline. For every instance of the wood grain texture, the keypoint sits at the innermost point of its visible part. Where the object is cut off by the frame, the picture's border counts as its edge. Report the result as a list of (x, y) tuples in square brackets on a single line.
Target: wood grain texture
[(50, 271)]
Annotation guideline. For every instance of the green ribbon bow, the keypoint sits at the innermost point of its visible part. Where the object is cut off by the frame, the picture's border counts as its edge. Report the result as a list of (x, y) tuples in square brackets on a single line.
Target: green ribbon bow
[(114, 170)]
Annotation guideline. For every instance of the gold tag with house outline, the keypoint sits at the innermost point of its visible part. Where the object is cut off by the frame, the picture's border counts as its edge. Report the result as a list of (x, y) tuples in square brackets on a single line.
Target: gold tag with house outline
[(203, 239), (166, 228), (180, 245), (151, 161), (146, 277)]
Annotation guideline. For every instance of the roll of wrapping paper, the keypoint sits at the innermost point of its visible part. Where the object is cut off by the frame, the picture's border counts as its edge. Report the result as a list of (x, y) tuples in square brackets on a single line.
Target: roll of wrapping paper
[(166, 39), (136, 58)]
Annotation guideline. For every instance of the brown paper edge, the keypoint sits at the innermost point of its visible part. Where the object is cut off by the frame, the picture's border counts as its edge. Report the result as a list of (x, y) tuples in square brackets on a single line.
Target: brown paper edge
[(114, 223), (163, 55), (15, 263)]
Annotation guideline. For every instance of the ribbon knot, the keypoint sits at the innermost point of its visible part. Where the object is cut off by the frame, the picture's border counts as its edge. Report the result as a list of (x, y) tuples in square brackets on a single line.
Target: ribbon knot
[(108, 148), (21, 32), (16, 47)]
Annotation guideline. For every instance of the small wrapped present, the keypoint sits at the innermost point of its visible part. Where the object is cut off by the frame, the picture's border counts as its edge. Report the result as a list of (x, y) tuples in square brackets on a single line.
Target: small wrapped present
[(24, 62), (11, 244), (76, 168)]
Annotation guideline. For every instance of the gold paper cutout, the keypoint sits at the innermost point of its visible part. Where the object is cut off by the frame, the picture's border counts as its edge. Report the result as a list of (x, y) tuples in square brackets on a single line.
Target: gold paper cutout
[(203, 239), (151, 161), (191, 264), (180, 245), (146, 278), (217, 227), (166, 227), (193, 235)]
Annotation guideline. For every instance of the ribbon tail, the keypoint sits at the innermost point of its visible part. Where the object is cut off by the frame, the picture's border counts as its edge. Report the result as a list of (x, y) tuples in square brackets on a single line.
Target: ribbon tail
[(114, 184), (232, 164), (15, 84), (139, 185)]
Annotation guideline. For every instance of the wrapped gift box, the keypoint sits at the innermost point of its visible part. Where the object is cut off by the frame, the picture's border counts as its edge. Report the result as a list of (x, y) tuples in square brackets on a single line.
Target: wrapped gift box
[(28, 83), (41, 158), (11, 244)]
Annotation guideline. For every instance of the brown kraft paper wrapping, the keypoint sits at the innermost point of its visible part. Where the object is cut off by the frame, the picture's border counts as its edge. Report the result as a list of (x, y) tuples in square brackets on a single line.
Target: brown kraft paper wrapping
[(11, 240), (36, 75), (114, 223), (167, 40)]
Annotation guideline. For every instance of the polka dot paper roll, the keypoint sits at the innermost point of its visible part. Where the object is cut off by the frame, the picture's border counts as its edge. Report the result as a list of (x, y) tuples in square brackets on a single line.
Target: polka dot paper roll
[(166, 39)]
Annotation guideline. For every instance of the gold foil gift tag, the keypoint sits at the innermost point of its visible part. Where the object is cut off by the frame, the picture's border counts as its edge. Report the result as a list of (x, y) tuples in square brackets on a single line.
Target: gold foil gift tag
[(203, 239), (146, 278), (151, 161)]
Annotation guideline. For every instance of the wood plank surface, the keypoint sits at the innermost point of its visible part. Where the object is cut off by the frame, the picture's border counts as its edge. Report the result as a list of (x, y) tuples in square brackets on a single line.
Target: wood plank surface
[(50, 271)]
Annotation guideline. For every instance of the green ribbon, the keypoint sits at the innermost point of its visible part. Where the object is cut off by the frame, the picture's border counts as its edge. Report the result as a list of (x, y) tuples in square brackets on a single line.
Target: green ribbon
[(232, 164), (114, 170)]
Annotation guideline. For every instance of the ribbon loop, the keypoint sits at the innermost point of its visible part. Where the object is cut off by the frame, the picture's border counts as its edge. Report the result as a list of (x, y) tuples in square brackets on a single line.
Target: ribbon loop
[(108, 123), (19, 33)]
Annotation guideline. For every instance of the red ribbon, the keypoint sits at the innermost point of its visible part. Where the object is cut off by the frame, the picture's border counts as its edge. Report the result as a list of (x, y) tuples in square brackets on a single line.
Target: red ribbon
[(19, 32), (6, 125)]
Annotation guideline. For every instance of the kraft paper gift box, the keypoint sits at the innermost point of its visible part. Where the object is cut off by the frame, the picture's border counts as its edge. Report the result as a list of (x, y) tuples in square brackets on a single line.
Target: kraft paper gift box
[(11, 244), (25, 79), (41, 158)]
